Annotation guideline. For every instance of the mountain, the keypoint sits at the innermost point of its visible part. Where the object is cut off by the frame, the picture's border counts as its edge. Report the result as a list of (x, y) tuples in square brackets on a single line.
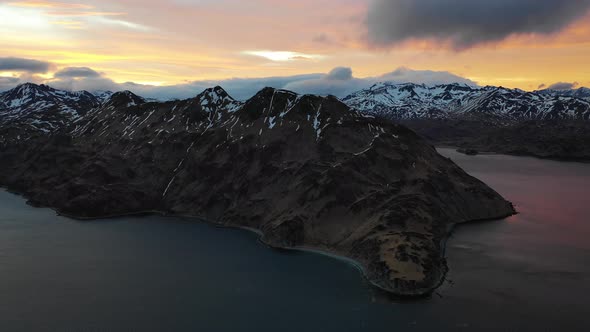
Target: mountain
[(406, 101), (30, 110), (305, 171), (102, 95), (583, 93), (412, 101), (495, 119), (30, 98)]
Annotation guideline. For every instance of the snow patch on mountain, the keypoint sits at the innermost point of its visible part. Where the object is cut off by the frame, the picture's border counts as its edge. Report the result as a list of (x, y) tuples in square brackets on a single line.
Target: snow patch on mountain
[(413, 101)]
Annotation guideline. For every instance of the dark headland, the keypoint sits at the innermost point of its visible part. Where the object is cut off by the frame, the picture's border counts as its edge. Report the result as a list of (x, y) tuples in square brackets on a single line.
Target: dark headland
[(305, 171)]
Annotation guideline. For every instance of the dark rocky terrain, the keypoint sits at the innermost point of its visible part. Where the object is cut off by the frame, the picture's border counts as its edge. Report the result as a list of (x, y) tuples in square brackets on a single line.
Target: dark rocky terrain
[(306, 171), (552, 124), (557, 140)]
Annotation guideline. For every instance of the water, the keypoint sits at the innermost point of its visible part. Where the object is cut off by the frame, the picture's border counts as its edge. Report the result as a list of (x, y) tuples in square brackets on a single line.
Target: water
[(529, 272)]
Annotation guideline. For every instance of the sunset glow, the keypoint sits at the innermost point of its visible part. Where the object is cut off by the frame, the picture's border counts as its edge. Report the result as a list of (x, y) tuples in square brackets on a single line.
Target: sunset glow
[(174, 42)]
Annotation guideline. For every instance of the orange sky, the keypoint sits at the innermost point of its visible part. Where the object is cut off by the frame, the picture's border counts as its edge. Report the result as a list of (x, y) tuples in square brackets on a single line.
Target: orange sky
[(171, 42)]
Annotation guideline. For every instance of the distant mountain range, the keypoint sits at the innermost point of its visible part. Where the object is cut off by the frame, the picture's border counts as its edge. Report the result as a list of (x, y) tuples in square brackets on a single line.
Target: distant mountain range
[(45, 109), (548, 124), (578, 93), (413, 101), (486, 118), (304, 170)]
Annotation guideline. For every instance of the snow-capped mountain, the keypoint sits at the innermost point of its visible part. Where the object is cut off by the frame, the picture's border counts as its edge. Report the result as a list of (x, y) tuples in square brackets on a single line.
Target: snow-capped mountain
[(102, 95), (125, 115), (30, 109), (31, 98), (413, 101), (582, 92)]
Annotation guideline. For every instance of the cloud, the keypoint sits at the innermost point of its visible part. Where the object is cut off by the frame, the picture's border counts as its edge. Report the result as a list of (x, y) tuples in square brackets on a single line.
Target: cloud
[(121, 23), (281, 56), (340, 82), (542, 86), (465, 23), (42, 13), (563, 86), (76, 72), (24, 65), (49, 4), (7, 83), (340, 73), (239, 88), (428, 77), (82, 78), (322, 38), (85, 83)]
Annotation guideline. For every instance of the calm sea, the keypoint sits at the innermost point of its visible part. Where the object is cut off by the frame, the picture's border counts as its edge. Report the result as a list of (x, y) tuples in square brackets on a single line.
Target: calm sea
[(530, 272)]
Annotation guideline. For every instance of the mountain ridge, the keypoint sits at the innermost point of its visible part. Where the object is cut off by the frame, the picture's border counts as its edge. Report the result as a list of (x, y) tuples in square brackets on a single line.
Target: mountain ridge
[(481, 118), (412, 101)]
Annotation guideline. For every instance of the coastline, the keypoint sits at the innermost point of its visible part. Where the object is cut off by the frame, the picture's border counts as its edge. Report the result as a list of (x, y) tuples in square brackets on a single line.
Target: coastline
[(515, 154), (332, 253)]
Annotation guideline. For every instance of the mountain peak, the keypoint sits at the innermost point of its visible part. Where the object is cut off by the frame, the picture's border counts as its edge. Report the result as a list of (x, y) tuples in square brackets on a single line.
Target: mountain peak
[(30, 85), (216, 92), (28, 88), (124, 98), (215, 98)]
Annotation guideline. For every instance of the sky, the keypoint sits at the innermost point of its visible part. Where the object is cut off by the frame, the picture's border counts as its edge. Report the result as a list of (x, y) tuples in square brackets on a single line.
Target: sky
[(171, 49)]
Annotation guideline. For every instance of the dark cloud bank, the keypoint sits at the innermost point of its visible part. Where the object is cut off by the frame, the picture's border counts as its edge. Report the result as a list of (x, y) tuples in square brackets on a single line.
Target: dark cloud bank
[(563, 86), (76, 72), (465, 23), (24, 65)]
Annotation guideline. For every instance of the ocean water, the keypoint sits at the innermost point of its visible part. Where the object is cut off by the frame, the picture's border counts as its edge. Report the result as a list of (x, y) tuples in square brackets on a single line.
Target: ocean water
[(530, 272)]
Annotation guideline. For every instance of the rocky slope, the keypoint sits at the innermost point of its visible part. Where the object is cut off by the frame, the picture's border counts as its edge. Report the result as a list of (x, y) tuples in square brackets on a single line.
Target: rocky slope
[(304, 170)]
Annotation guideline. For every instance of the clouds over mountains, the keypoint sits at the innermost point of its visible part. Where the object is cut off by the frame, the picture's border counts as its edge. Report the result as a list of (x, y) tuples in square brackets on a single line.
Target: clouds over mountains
[(76, 72), (339, 82), (563, 86), (465, 23)]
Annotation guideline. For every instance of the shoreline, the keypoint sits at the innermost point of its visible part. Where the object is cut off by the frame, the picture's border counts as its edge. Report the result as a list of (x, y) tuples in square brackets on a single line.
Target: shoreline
[(359, 265), (455, 148)]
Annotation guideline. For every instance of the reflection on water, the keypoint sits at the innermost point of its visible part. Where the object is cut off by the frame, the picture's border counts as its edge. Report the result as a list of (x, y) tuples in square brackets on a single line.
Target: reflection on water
[(531, 269), (528, 272)]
